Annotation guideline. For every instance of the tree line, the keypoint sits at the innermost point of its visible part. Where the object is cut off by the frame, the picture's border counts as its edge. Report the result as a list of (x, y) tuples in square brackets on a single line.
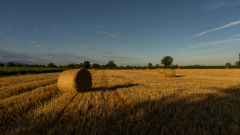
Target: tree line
[(166, 62)]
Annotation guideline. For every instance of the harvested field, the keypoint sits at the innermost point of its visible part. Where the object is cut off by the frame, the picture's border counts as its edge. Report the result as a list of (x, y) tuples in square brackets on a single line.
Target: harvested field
[(195, 101)]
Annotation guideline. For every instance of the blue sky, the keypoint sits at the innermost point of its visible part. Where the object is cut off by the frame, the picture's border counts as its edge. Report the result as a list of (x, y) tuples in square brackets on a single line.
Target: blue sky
[(129, 32)]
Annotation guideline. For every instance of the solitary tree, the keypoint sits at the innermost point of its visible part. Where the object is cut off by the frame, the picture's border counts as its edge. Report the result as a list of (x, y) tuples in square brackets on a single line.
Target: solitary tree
[(86, 64), (228, 64), (157, 65), (167, 61), (150, 65)]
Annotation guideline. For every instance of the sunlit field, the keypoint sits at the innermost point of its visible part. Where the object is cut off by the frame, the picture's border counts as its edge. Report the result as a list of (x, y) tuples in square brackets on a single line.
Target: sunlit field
[(195, 101)]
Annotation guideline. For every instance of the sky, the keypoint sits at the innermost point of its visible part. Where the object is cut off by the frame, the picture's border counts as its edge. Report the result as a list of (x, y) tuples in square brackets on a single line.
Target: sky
[(128, 32)]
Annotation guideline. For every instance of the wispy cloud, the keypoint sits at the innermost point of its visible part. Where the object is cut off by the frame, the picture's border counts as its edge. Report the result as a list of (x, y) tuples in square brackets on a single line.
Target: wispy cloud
[(9, 30), (6, 24), (238, 35), (44, 47), (94, 48), (32, 42), (210, 50), (212, 43), (113, 36), (0, 32), (220, 4), (54, 24), (36, 30), (222, 27)]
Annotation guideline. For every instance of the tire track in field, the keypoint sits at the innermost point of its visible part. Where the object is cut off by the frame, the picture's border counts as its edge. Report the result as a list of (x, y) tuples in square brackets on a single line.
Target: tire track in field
[(61, 113)]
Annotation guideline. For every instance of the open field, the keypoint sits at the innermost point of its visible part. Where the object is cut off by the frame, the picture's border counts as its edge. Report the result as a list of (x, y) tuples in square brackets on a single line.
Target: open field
[(196, 101)]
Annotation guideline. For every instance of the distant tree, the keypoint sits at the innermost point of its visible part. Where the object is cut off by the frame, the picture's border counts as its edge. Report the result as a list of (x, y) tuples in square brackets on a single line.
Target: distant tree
[(60, 66), (51, 65), (228, 64), (35, 65), (127, 66), (121, 66), (81, 65), (10, 64), (18, 65), (150, 65), (41, 66), (111, 64), (64, 66), (237, 63), (86, 64), (102, 66), (95, 65), (157, 65), (167, 61), (2, 65), (72, 65)]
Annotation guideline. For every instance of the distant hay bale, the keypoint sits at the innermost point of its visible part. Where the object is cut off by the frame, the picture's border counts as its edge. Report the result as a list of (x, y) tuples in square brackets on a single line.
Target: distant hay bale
[(227, 67), (157, 69), (169, 73), (108, 69), (178, 68), (140, 68), (133, 68), (147, 68), (161, 71), (74, 81)]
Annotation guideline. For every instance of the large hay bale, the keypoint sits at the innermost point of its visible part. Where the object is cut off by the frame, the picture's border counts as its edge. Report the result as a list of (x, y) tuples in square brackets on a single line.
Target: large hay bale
[(140, 68), (161, 71), (133, 68), (169, 73), (227, 67), (178, 68), (75, 80), (108, 69), (147, 68)]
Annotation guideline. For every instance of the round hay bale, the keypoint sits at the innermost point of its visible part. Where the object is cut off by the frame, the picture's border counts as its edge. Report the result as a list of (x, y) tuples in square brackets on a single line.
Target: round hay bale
[(108, 69), (147, 68), (227, 67), (140, 68), (75, 80), (169, 73), (92, 69), (133, 68), (161, 71), (178, 68)]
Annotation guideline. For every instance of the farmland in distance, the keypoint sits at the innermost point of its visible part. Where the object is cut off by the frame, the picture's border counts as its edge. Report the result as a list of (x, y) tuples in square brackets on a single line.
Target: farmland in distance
[(196, 101)]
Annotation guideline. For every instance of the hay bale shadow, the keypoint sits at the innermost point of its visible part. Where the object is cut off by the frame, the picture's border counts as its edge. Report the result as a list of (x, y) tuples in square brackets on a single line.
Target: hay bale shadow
[(180, 76), (113, 88)]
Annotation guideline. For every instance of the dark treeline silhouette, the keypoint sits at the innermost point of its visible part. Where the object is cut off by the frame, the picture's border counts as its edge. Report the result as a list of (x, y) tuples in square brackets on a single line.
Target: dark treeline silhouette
[(166, 62)]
